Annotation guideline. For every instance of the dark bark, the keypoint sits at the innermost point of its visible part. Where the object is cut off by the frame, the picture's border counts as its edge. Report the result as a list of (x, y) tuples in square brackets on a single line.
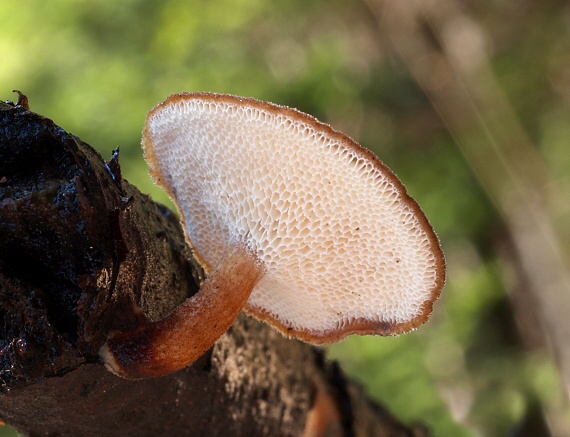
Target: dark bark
[(81, 250)]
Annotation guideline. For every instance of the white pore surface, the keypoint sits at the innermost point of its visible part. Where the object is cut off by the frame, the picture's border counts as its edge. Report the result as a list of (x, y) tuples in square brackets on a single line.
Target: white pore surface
[(338, 240)]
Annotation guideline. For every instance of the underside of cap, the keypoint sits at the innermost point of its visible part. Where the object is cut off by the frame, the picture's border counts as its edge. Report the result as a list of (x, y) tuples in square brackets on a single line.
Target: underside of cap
[(345, 248)]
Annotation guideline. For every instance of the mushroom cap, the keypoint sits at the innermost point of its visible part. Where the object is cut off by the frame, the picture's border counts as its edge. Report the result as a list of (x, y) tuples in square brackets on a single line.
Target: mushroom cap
[(345, 248)]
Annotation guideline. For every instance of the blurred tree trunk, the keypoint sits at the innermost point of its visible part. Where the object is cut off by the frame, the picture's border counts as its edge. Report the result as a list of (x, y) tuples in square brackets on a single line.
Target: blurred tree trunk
[(445, 51), (80, 250)]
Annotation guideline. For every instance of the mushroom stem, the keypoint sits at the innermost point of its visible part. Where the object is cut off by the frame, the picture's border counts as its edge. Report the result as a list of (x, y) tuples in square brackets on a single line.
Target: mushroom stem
[(162, 347)]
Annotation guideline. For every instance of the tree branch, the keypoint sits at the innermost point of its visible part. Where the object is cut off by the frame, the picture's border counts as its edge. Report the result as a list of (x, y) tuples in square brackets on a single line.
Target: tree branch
[(83, 252)]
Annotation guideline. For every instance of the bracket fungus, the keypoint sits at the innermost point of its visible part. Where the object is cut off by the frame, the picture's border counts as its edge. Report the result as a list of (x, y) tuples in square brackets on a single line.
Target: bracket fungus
[(294, 222)]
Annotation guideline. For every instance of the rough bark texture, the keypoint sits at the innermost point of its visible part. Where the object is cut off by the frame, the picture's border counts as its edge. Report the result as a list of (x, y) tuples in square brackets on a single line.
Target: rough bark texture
[(81, 250)]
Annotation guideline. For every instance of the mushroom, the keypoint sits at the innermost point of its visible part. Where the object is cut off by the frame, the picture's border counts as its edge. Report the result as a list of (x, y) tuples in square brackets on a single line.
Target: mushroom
[(294, 222)]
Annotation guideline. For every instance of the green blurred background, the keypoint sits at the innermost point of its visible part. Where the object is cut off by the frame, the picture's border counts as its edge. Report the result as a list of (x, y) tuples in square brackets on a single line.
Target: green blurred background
[(467, 101)]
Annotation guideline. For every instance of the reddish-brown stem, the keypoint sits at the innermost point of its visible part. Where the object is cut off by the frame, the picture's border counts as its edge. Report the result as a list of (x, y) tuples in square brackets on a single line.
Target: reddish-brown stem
[(159, 348)]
